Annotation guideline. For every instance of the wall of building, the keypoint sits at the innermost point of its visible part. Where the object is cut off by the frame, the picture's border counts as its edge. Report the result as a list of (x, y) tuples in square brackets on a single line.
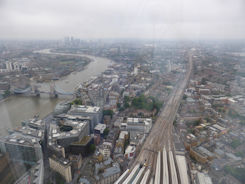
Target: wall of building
[(109, 180), (65, 171)]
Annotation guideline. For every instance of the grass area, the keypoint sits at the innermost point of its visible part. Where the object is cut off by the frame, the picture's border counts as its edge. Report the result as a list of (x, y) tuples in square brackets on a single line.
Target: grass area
[(77, 102), (142, 102)]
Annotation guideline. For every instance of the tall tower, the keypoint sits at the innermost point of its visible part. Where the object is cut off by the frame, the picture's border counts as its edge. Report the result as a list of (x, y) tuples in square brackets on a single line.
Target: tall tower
[(53, 93), (9, 66)]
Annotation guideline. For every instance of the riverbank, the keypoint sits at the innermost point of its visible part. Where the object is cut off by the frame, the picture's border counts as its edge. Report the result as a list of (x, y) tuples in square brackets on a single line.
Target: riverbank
[(15, 109), (3, 99), (62, 64)]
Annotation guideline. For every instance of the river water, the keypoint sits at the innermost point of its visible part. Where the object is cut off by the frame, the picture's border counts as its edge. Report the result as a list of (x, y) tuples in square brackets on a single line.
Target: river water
[(16, 109)]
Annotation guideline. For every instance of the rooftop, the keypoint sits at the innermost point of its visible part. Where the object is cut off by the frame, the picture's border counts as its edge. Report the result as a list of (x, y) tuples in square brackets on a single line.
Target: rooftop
[(123, 134), (203, 150), (61, 160), (139, 120), (130, 149), (87, 109), (112, 170), (77, 127), (20, 139), (25, 130), (203, 178), (100, 127)]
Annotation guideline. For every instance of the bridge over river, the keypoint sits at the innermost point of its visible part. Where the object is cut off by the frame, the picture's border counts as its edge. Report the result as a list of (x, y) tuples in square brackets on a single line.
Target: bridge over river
[(18, 108)]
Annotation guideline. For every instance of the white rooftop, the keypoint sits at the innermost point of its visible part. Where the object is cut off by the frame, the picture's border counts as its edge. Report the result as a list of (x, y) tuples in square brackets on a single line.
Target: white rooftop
[(122, 134), (100, 127), (203, 178), (130, 149), (88, 109)]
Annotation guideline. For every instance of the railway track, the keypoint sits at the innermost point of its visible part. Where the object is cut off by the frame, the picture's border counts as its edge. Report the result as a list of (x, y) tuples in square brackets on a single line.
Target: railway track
[(159, 146)]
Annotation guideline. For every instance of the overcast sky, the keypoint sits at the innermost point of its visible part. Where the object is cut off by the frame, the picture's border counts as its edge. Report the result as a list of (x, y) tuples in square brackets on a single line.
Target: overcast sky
[(178, 19)]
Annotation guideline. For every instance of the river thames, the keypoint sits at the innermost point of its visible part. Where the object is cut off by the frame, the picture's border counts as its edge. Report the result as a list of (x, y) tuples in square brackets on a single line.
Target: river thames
[(16, 109)]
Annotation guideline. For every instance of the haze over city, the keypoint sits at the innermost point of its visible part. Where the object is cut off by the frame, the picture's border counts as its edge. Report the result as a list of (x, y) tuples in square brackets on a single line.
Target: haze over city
[(122, 91), (88, 19)]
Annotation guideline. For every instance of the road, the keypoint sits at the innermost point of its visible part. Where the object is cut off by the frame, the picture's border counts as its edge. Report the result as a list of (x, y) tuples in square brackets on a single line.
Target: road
[(161, 133)]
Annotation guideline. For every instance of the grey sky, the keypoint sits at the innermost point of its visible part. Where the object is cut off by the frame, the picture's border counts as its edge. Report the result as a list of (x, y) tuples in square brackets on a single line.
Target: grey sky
[(184, 19)]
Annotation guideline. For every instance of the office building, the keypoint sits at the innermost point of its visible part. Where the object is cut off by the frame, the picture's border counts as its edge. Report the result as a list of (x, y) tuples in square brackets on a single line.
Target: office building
[(202, 178), (137, 125), (99, 129), (105, 149), (68, 132), (21, 148), (95, 114), (61, 166)]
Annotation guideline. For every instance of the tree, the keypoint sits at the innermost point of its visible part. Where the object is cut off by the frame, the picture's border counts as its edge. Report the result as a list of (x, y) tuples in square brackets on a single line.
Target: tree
[(184, 97), (92, 148), (101, 170), (197, 122), (118, 105), (6, 93), (77, 102), (149, 103), (106, 131), (157, 105), (108, 112), (204, 81), (126, 102), (121, 109), (126, 143), (175, 122)]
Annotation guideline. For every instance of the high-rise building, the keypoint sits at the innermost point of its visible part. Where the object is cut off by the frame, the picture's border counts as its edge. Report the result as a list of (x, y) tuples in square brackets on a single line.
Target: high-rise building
[(9, 66), (21, 148), (61, 166), (95, 114)]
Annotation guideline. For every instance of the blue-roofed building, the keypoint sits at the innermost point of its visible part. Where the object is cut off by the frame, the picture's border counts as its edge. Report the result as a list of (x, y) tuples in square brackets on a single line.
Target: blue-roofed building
[(111, 174)]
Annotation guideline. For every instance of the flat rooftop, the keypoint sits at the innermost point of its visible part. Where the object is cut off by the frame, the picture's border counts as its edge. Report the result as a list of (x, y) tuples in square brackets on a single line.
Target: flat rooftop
[(77, 127), (139, 120), (100, 127), (20, 139), (61, 160), (87, 109)]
